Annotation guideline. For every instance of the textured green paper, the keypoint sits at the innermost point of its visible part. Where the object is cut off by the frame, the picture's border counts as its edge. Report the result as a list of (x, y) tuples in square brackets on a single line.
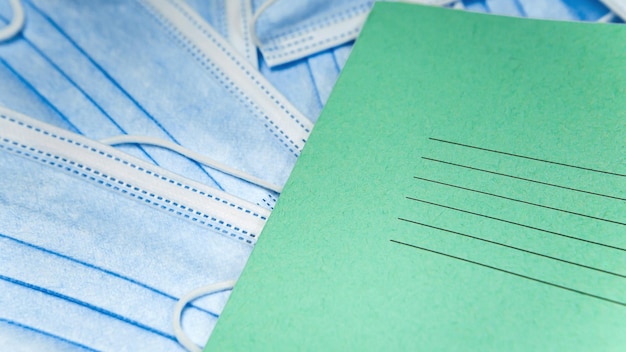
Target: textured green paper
[(389, 236)]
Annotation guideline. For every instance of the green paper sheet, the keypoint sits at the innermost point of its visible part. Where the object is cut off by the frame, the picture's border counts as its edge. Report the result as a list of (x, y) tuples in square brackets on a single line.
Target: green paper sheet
[(463, 190)]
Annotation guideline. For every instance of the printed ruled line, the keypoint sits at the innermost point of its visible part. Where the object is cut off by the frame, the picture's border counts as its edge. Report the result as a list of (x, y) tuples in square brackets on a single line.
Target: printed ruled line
[(515, 248), (521, 201), (524, 179), (519, 224), (529, 158), (623, 304)]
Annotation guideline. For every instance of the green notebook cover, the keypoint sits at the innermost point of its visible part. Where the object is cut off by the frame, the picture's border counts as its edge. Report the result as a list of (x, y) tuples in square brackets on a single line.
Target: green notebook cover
[(463, 190)]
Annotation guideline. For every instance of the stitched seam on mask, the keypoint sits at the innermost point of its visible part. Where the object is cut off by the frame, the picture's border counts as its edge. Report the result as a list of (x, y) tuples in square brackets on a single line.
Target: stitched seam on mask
[(317, 25), (128, 163), (139, 168), (223, 79), (230, 55), (270, 202), (332, 39), (117, 185), (246, 38), (272, 198)]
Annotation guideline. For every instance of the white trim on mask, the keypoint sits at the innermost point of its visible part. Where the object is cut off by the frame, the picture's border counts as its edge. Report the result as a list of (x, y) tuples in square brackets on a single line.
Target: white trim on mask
[(119, 172), (282, 119), (316, 36)]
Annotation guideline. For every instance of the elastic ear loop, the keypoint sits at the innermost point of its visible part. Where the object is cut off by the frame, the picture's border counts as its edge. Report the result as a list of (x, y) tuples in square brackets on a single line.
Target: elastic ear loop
[(609, 17), (256, 16), (182, 338), (130, 139), (17, 23)]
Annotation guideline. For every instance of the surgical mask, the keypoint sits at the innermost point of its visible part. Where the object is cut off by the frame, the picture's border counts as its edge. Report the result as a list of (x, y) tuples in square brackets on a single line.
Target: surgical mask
[(286, 32), (154, 68), (96, 246)]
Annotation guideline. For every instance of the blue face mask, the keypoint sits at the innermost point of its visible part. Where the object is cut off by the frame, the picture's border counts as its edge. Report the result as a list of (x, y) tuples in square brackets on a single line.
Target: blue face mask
[(153, 68), (96, 246), (285, 32)]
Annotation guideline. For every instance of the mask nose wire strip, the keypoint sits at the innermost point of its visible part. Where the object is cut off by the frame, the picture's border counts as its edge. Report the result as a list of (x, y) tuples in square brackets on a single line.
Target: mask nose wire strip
[(256, 16), (17, 23), (131, 139), (182, 338)]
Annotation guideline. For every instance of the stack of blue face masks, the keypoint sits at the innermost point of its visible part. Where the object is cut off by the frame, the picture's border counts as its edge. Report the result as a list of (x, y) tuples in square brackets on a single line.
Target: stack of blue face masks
[(99, 242), (97, 249)]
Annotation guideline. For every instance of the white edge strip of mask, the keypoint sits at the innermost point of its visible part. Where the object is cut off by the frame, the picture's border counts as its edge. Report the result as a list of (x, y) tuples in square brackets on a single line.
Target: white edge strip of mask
[(102, 164)]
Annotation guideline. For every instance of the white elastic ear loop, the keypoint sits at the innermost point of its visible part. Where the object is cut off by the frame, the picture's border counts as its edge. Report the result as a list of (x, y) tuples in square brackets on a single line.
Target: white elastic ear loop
[(610, 16), (182, 338), (130, 139), (17, 23), (256, 16)]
